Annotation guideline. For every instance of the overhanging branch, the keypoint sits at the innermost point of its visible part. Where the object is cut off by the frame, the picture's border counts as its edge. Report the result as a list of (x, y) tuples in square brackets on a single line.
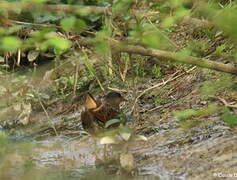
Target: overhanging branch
[(161, 54)]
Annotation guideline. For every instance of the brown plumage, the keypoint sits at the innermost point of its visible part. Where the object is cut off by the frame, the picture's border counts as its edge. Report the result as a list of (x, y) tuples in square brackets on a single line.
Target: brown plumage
[(98, 112)]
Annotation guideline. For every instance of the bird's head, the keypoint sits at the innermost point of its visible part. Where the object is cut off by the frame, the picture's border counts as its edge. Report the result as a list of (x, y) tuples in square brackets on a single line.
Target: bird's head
[(114, 99)]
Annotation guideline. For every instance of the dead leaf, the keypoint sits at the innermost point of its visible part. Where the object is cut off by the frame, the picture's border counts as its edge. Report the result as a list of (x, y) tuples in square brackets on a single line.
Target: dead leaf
[(140, 137), (127, 162), (32, 55), (125, 135), (17, 107), (25, 114), (47, 79), (108, 140)]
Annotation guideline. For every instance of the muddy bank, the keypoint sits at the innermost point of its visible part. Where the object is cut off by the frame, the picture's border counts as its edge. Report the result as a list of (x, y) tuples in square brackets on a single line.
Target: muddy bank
[(206, 149)]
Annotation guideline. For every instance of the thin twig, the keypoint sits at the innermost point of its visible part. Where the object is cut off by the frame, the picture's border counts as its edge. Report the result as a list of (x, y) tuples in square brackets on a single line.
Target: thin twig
[(88, 64), (155, 108), (226, 104), (75, 79), (118, 90), (47, 26), (34, 24), (46, 113), (18, 57), (172, 78)]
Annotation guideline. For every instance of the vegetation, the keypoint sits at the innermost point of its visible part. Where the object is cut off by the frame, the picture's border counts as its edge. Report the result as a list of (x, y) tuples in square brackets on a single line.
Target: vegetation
[(171, 58)]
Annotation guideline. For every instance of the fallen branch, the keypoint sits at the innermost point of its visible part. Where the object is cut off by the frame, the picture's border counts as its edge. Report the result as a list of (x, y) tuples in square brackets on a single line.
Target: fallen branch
[(19, 7), (161, 55), (231, 105)]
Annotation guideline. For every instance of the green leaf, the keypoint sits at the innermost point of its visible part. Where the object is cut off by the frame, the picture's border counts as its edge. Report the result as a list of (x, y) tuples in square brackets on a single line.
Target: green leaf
[(183, 54), (80, 25), (187, 124), (122, 6), (185, 114), (2, 31), (167, 22), (226, 20), (149, 35), (102, 49), (83, 11), (220, 49), (152, 39), (3, 139), (34, 1), (111, 122), (59, 44), (230, 119), (14, 29), (71, 23), (181, 13), (235, 55), (223, 83), (10, 43), (68, 23), (212, 108)]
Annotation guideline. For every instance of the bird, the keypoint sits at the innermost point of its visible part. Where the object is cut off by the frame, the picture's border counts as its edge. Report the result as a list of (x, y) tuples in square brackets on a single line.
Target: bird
[(99, 111)]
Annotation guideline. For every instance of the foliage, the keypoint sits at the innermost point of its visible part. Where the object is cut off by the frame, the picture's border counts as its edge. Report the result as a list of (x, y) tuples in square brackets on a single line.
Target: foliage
[(138, 29), (111, 122), (197, 48), (104, 28), (123, 118), (211, 87), (148, 35), (188, 113), (10, 43), (4, 144), (229, 118), (35, 37), (188, 123), (72, 23), (156, 71), (224, 19), (139, 68)]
